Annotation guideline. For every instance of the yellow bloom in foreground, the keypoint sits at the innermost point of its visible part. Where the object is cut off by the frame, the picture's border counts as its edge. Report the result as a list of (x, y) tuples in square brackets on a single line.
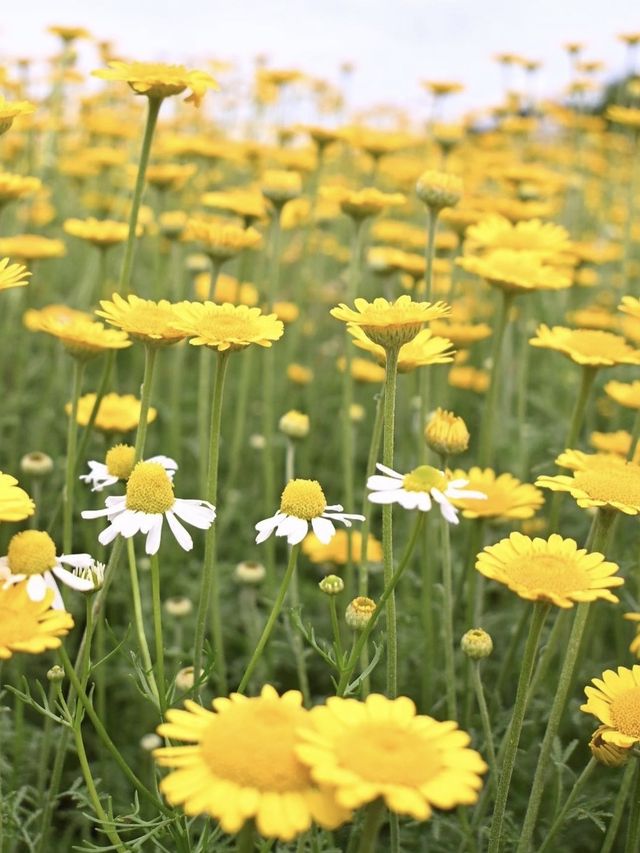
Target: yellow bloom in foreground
[(424, 349), (82, 338), (29, 626), (616, 486), (615, 701), (382, 748), (625, 393), (551, 570), (15, 503), (588, 347), (12, 110), (241, 764), (336, 551), (101, 232), (147, 321), (390, 323), (506, 497), (12, 275), (158, 80), (116, 413), (516, 271), (607, 753), (227, 327)]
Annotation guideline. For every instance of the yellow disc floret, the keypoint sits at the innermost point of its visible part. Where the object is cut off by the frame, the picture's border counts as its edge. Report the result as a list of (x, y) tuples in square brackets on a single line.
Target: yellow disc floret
[(423, 479), (31, 552), (149, 489), (303, 499), (119, 461)]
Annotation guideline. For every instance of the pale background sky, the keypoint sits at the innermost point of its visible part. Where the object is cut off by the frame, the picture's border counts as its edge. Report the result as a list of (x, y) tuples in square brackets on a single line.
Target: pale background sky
[(393, 43)]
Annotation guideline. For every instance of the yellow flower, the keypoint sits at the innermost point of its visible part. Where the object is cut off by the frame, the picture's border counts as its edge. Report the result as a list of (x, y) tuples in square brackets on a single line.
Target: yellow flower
[(116, 413), (634, 648), (11, 110), (82, 338), (227, 327), (439, 88), (439, 189), (165, 175), (16, 186), (12, 275), (336, 551), (600, 484), (506, 497), (586, 346), (32, 247), (469, 379), (280, 186), (625, 393), (363, 370), (361, 204), (145, 320), (551, 570), (157, 80), (288, 312), (424, 349), (390, 323), (628, 116), (101, 232), (29, 626), (630, 305), (33, 318), (607, 753), (446, 433), (69, 33), (615, 701), (240, 764), (516, 271), (248, 203), (382, 748), (221, 241), (15, 503), (228, 289), (299, 374), (496, 232), (461, 334), (617, 443)]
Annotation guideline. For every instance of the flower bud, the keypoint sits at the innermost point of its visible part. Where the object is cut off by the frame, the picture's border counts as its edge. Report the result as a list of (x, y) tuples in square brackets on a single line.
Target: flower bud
[(476, 644), (36, 463), (178, 605), (150, 742), (439, 189), (257, 441), (185, 678), (294, 424), (607, 753), (55, 674), (331, 585), (359, 612), (446, 433), (249, 572), (280, 186)]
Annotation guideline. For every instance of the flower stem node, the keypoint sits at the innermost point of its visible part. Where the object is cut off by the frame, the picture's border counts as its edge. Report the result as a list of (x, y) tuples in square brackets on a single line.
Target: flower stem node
[(359, 612), (476, 644)]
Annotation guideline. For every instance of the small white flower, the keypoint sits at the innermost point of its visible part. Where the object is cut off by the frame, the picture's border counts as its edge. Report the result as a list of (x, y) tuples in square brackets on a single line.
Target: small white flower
[(416, 490), (118, 465), (149, 499), (303, 503), (32, 557)]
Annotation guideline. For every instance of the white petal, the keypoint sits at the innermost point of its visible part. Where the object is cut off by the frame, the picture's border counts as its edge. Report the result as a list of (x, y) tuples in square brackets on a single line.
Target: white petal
[(200, 514), (50, 581), (334, 508), (324, 529), (183, 538), (386, 497), (75, 582), (36, 587), (377, 482), (424, 502), (155, 531), (108, 535), (389, 471), (95, 513), (409, 500), (78, 561), (297, 530)]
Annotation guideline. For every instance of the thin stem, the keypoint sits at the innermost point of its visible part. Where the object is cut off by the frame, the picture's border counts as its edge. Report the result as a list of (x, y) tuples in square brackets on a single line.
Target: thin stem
[(204, 389), (557, 824), (246, 838), (430, 251), (486, 724), (372, 823), (374, 449), (447, 621), (598, 543), (210, 588), (387, 522), (138, 619), (150, 353), (621, 805), (154, 105), (72, 441), (271, 621), (156, 604), (512, 737), (335, 626), (485, 452), (635, 435)]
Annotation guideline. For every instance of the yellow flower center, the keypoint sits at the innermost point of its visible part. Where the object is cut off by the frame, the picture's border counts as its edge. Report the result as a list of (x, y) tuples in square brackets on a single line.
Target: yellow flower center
[(379, 753), (119, 461), (303, 499), (548, 572), (252, 745), (149, 489), (31, 552), (625, 712), (15, 627), (423, 479), (620, 484)]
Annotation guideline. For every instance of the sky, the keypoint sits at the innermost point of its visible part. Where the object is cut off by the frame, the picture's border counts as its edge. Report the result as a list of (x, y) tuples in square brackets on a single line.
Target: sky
[(393, 43)]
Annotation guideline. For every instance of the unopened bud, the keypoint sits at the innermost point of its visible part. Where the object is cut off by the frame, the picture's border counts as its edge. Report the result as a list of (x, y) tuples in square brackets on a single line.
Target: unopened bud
[(607, 753), (476, 644), (36, 463), (446, 433), (294, 424), (178, 605), (249, 572), (55, 674), (359, 612), (331, 585), (439, 189), (150, 742), (185, 678)]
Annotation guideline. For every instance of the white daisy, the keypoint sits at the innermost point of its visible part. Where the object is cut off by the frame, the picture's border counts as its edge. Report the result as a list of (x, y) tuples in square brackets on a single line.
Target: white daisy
[(416, 490), (31, 556), (118, 465), (149, 499), (303, 502)]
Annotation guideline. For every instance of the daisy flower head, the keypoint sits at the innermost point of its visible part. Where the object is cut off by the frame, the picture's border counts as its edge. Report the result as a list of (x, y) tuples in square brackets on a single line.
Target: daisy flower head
[(31, 557), (382, 748), (390, 324), (240, 763), (145, 320), (504, 496), (418, 489), (148, 500), (15, 503), (303, 503), (118, 465), (28, 626), (615, 701), (158, 80), (588, 347), (602, 481), (12, 275), (227, 326), (116, 412)]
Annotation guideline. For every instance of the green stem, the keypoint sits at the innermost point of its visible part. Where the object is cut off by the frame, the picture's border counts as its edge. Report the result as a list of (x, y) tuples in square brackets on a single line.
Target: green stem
[(335, 626), (150, 353), (486, 724), (271, 621), (387, 521), (210, 588), (635, 435), (246, 838), (156, 604), (138, 619), (154, 105), (485, 452), (430, 252), (512, 737), (204, 389), (447, 621), (72, 441), (374, 449), (371, 827), (621, 804), (557, 824), (598, 544)]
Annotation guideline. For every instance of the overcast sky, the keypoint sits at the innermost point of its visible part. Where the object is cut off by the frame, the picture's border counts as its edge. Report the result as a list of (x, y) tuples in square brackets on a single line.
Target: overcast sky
[(393, 43)]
